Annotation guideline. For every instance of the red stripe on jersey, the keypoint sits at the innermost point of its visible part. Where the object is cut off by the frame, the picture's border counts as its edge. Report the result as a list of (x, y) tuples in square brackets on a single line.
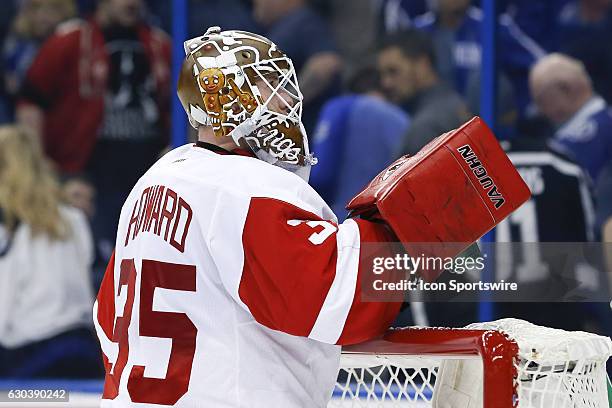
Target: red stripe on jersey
[(285, 277), (106, 299), (106, 319), (367, 320)]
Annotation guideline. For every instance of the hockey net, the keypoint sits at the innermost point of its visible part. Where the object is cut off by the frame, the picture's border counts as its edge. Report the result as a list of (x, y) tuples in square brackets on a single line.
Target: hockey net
[(501, 364)]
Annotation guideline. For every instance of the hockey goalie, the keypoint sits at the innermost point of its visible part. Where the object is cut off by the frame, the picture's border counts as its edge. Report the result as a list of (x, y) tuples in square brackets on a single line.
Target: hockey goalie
[(232, 283)]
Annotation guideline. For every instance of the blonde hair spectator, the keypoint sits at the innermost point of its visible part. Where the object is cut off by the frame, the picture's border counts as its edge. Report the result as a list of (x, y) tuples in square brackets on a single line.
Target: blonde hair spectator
[(46, 252), (29, 190)]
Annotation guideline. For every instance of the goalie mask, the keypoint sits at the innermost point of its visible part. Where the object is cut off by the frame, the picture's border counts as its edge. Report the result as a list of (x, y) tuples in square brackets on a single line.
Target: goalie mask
[(245, 88)]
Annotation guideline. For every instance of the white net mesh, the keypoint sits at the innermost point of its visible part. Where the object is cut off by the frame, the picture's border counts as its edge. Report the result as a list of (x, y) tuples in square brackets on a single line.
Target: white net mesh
[(554, 368), (372, 380), (557, 368)]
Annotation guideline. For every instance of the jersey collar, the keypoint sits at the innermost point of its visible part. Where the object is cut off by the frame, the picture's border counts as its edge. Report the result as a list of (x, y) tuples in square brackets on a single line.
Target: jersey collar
[(219, 150)]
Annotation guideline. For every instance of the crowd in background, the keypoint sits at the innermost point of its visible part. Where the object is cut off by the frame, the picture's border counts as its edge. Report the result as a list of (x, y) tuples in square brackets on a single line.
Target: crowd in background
[(85, 95)]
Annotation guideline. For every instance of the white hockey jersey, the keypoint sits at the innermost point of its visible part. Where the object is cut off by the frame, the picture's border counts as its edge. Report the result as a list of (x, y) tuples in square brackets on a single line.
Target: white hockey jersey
[(231, 285)]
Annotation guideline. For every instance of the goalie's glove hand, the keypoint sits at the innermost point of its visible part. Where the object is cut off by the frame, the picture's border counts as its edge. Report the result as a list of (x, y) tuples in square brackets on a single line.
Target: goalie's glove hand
[(444, 198)]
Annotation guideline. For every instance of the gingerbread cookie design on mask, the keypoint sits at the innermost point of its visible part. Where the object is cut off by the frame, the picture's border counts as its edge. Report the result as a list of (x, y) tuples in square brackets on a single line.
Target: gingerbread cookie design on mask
[(219, 91)]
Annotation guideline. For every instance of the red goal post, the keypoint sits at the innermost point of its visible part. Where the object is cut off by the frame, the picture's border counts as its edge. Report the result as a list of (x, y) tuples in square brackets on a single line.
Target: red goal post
[(501, 364)]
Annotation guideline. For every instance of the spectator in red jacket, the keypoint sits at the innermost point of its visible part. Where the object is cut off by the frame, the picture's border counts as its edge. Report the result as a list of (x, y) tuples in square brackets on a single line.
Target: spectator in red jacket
[(97, 94)]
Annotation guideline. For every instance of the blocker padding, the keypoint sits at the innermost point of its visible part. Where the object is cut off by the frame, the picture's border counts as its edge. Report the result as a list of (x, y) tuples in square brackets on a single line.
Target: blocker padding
[(458, 187)]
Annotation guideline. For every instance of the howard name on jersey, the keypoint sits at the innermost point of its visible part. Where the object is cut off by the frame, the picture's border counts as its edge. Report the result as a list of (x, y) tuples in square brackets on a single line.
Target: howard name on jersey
[(231, 285), (149, 214)]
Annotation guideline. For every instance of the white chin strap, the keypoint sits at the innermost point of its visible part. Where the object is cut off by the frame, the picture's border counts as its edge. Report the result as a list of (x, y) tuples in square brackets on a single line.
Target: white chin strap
[(304, 172), (246, 128)]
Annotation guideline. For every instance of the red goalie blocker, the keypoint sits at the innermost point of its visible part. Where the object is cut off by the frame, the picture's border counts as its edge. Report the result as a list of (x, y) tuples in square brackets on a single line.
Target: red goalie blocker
[(447, 196)]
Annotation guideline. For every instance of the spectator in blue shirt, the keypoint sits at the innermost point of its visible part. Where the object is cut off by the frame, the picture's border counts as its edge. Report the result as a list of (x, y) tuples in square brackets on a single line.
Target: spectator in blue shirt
[(563, 93), (585, 30), (34, 22), (307, 40), (397, 15), (357, 135), (538, 19), (455, 28)]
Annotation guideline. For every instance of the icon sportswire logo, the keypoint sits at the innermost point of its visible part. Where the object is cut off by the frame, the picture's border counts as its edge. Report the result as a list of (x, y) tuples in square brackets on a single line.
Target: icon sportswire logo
[(487, 183)]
